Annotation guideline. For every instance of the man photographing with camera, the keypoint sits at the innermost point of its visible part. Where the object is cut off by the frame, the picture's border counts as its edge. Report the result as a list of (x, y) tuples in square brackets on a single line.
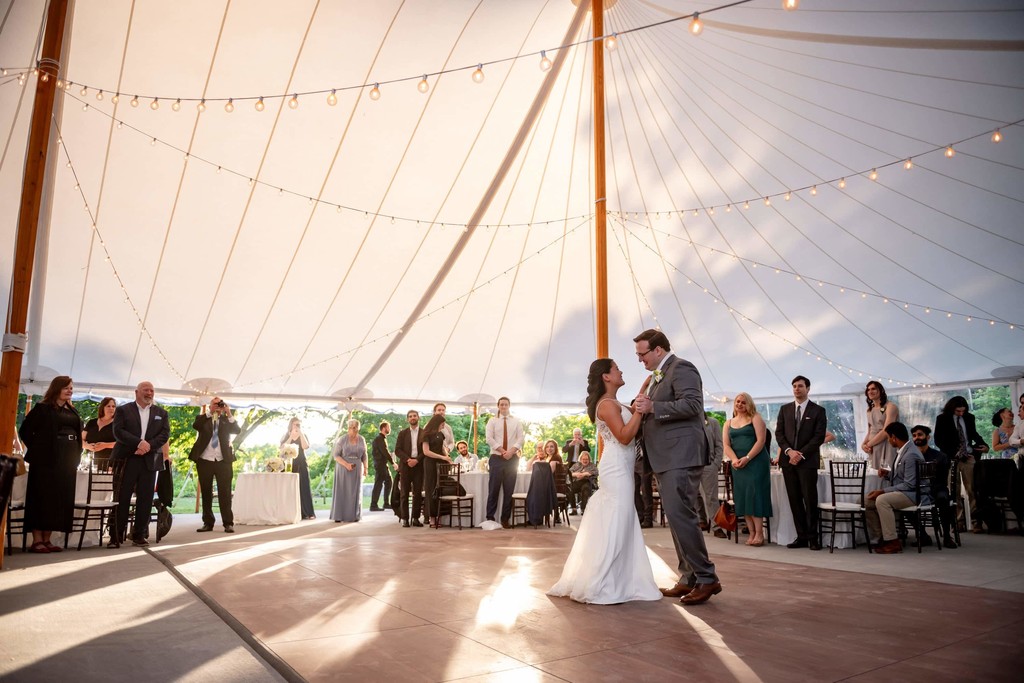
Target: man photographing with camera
[(213, 456)]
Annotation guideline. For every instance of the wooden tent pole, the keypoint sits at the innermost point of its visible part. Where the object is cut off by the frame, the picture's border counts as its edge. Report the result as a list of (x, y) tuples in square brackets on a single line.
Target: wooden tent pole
[(600, 205), (476, 415), (28, 220)]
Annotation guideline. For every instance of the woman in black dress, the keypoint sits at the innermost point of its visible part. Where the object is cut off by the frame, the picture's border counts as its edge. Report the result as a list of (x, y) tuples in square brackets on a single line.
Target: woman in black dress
[(432, 446), (52, 434), (300, 466), (542, 496), (99, 435)]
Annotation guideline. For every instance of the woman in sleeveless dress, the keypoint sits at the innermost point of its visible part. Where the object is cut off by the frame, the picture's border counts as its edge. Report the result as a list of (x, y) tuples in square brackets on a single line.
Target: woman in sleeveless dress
[(608, 563), (744, 439), (541, 496), (880, 414), (295, 436)]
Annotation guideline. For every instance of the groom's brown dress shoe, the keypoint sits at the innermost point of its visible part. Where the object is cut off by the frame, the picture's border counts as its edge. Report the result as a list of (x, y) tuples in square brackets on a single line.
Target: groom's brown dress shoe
[(702, 592), (676, 591)]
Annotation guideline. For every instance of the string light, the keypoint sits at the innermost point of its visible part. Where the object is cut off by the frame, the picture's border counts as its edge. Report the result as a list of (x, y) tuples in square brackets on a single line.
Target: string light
[(99, 95), (134, 101), (375, 92), (423, 86), (201, 106), (230, 106), (814, 191), (478, 75), (84, 91), (997, 136), (790, 5), (767, 201), (115, 99), (612, 42), (259, 104), (545, 63), (45, 77), (788, 196), (950, 152), (155, 104), (908, 164), (177, 105), (293, 103), (842, 183), (696, 25), (332, 99)]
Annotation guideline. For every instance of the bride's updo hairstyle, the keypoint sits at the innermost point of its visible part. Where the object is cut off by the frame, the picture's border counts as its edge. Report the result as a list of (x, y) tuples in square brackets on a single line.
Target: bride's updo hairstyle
[(595, 384)]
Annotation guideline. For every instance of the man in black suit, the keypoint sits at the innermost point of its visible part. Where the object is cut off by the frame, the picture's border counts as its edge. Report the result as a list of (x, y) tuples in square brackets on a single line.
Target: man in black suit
[(383, 461), (800, 432), (410, 467), (213, 455), (140, 431), (957, 436)]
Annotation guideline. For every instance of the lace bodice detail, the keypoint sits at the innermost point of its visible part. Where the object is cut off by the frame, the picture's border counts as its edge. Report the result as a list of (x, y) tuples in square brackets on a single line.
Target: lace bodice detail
[(602, 426)]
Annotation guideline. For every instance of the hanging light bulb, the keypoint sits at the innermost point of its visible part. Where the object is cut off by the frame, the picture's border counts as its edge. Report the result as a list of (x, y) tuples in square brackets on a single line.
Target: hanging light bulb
[(134, 101), (84, 91), (375, 92), (790, 5), (908, 164), (155, 104), (842, 183), (230, 105), (612, 42), (788, 195), (478, 75), (115, 99), (767, 201), (696, 25), (294, 101), (545, 63), (99, 95), (997, 136), (950, 152), (201, 107), (3, 73), (332, 99), (176, 106), (874, 174), (259, 104), (746, 205), (60, 83), (45, 77), (423, 86), (814, 191)]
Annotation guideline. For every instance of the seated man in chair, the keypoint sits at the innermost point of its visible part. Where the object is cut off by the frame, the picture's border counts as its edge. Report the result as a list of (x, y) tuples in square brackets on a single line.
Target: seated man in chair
[(584, 479), (898, 491)]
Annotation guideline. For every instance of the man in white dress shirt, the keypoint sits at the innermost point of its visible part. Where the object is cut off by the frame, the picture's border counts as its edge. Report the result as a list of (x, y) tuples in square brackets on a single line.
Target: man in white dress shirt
[(466, 461), (505, 438)]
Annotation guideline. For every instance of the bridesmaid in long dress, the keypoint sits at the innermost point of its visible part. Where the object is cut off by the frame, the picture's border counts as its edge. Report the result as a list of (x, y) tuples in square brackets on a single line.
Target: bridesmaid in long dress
[(541, 497), (350, 464), (98, 436), (300, 466), (881, 413), (744, 442)]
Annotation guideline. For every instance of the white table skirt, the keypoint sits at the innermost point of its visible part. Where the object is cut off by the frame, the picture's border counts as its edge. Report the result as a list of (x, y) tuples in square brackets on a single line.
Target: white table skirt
[(783, 528), (266, 498), (476, 484)]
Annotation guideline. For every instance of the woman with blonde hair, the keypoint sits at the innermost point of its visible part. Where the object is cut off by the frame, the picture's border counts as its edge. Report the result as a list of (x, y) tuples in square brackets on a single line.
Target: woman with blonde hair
[(350, 463), (295, 436), (744, 439)]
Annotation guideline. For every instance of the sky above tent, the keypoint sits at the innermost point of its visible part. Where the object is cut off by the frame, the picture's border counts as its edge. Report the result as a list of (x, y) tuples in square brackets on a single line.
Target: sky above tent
[(324, 242)]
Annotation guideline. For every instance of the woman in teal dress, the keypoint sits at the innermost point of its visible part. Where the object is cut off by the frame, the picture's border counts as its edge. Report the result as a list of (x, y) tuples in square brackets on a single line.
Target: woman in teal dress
[(744, 439)]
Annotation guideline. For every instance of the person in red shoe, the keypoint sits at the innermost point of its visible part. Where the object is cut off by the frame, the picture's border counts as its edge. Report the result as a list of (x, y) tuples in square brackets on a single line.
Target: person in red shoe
[(897, 492)]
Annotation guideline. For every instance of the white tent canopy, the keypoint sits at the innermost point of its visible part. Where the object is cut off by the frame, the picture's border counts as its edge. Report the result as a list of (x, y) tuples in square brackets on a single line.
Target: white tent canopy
[(439, 245)]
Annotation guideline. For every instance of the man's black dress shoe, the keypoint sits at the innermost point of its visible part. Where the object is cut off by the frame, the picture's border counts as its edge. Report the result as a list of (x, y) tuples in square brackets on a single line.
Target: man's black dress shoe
[(205, 527), (505, 524), (405, 523), (646, 524), (720, 534), (798, 543), (140, 542), (948, 542), (229, 528), (376, 509), (417, 522), (814, 545)]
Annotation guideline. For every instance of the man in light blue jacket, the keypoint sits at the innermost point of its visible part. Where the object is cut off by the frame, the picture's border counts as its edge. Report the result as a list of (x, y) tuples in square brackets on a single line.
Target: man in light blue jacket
[(897, 492)]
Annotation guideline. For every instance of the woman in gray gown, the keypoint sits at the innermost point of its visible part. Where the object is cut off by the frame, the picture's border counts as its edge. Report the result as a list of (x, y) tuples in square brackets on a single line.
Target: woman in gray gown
[(350, 465)]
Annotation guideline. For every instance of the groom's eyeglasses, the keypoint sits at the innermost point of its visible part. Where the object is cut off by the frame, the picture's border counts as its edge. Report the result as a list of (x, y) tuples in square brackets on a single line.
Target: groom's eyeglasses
[(641, 355)]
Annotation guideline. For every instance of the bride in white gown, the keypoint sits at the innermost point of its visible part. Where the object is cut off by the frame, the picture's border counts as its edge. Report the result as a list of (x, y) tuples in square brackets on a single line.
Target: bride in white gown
[(608, 562)]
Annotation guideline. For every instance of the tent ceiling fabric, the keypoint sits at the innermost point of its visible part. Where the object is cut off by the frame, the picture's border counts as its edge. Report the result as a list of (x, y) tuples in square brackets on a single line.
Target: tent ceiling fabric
[(270, 289)]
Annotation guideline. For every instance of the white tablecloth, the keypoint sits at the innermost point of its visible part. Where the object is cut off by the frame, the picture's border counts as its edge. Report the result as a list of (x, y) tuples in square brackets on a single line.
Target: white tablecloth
[(266, 498), (476, 483), (783, 528)]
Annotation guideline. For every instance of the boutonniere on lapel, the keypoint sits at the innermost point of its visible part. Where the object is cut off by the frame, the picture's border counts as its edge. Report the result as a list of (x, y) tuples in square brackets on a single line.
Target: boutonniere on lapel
[(658, 375)]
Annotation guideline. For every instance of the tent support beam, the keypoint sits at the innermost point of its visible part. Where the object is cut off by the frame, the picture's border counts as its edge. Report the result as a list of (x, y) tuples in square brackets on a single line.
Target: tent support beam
[(600, 205), (28, 223)]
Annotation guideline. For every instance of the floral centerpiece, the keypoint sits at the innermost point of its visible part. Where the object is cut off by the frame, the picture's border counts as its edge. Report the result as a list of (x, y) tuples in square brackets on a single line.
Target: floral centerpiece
[(289, 452), (275, 464), (482, 465)]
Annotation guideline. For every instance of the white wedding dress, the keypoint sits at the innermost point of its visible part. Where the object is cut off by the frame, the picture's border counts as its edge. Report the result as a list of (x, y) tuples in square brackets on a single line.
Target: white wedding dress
[(608, 563)]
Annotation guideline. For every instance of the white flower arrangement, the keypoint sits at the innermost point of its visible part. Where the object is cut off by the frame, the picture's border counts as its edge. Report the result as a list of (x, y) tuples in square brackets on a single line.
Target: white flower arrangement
[(275, 465), (482, 466), (290, 451)]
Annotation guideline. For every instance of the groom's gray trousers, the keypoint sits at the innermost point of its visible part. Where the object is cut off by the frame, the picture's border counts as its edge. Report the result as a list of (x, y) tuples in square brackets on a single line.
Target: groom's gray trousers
[(678, 488)]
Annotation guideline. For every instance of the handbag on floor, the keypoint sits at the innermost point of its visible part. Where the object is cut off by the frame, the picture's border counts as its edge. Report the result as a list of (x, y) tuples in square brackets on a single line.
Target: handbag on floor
[(725, 518)]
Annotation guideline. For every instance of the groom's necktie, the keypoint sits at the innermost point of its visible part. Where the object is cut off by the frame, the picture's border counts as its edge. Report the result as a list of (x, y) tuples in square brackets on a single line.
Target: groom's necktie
[(504, 434), (799, 415), (215, 441)]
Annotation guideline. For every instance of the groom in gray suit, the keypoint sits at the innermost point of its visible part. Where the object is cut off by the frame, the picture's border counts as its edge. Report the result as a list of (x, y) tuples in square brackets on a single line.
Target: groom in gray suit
[(672, 401)]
